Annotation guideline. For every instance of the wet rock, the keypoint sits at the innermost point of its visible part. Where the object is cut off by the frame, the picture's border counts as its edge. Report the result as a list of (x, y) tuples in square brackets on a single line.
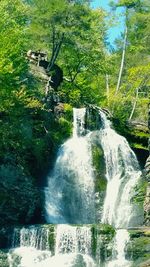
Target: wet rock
[(3, 259), (138, 249)]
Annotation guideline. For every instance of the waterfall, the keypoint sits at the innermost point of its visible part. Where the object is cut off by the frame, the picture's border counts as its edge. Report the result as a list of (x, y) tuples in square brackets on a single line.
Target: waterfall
[(35, 237), (30, 247), (70, 193), (73, 239), (70, 199), (120, 242), (72, 247), (123, 174)]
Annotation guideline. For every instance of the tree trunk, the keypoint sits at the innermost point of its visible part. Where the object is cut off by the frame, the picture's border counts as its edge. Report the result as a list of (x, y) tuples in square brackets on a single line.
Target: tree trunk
[(134, 104), (107, 87), (55, 53), (122, 61)]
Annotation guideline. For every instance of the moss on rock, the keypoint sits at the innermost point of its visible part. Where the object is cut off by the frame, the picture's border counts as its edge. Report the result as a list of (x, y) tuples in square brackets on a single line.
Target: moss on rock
[(51, 238), (102, 240), (99, 168), (138, 249)]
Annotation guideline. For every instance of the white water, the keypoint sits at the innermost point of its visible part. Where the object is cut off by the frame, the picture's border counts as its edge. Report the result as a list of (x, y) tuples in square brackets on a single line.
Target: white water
[(122, 173), (72, 249), (35, 237), (70, 199), (31, 247), (70, 191), (120, 242), (71, 239)]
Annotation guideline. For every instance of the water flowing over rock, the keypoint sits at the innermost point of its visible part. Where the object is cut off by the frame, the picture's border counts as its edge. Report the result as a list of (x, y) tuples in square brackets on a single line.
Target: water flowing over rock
[(70, 191), (120, 242), (72, 246), (123, 174), (72, 198)]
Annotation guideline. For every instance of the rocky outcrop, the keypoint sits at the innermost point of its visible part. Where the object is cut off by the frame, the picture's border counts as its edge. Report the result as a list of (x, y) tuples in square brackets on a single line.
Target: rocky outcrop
[(20, 198), (138, 249), (147, 176)]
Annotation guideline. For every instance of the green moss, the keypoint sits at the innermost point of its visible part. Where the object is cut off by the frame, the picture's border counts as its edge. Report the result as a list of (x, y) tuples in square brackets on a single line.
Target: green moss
[(140, 192), (106, 229), (139, 233), (139, 247), (102, 236), (99, 168), (51, 238), (94, 240)]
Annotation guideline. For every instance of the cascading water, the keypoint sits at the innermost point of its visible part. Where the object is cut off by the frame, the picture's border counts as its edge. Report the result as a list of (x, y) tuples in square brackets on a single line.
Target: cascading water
[(30, 247), (31, 237), (73, 239), (72, 247), (120, 242), (122, 173), (70, 198), (70, 191)]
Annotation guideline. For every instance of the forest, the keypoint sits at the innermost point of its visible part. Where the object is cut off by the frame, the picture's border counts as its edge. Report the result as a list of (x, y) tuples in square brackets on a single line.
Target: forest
[(56, 56)]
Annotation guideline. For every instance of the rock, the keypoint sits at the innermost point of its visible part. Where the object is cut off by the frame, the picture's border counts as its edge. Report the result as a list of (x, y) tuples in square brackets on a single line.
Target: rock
[(3, 259), (19, 197), (138, 249), (147, 176), (145, 264), (138, 126), (59, 110), (147, 206)]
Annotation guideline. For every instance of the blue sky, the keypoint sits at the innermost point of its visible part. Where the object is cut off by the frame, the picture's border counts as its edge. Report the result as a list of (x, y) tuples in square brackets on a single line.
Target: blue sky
[(114, 32)]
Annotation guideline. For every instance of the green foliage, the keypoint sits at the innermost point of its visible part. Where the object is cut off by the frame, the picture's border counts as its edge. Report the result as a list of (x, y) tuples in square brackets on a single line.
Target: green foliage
[(13, 35), (74, 36), (64, 29), (131, 101)]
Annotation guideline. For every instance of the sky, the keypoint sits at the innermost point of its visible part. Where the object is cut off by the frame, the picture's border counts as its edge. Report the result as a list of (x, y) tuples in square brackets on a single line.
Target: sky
[(114, 32)]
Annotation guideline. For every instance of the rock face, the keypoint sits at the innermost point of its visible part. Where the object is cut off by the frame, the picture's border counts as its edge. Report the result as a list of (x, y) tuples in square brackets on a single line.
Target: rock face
[(147, 175), (20, 199), (138, 248)]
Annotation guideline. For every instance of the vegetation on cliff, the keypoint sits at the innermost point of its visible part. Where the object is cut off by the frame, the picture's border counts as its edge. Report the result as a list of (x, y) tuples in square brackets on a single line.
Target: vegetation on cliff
[(74, 36)]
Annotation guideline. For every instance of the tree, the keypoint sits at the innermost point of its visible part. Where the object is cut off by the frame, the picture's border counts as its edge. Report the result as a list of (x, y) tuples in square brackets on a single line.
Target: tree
[(73, 35), (131, 98)]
